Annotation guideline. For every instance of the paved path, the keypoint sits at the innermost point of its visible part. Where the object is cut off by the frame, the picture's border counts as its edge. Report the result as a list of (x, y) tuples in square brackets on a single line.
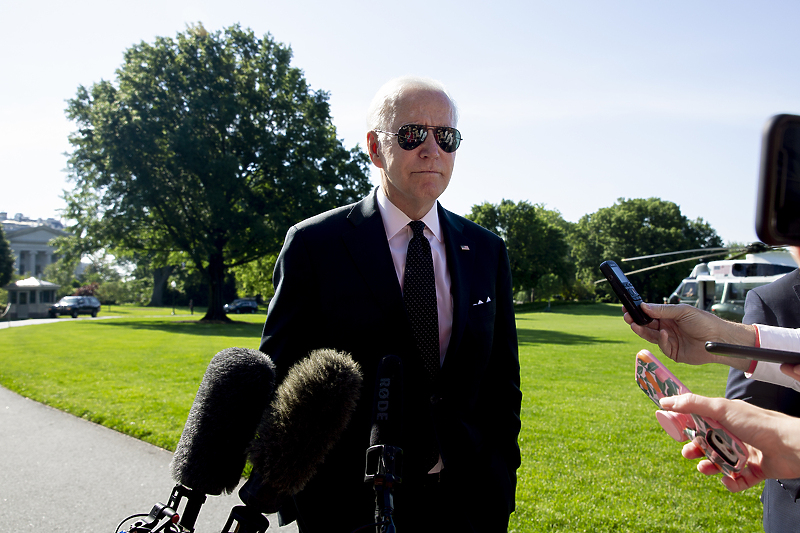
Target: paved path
[(62, 473)]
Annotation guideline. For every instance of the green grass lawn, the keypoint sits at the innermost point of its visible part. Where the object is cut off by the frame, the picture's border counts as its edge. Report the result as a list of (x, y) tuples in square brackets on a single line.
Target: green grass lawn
[(594, 457)]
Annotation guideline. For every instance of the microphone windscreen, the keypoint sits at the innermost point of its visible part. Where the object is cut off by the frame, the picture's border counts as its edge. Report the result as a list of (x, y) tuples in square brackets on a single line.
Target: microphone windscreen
[(235, 391), (312, 407), (387, 406)]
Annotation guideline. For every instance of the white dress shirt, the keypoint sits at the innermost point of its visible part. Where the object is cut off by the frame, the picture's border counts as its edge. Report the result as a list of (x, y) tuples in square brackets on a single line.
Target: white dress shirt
[(777, 339), (398, 233)]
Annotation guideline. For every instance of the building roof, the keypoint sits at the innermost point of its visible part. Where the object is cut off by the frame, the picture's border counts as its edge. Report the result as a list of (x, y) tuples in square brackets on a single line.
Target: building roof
[(31, 283)]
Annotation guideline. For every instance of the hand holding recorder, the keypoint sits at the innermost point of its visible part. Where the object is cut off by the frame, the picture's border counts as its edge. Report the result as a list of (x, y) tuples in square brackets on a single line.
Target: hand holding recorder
[(772, 439), (721, 448)]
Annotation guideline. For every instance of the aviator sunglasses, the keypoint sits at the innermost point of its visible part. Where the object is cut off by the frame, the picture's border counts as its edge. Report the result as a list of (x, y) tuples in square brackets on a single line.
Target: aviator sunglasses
[(412, 135)]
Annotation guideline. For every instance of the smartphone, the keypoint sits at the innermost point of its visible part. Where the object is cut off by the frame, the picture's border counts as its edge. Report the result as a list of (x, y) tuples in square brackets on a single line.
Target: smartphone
[(720, 446), (753, 353), (625, 291), (778, 207)]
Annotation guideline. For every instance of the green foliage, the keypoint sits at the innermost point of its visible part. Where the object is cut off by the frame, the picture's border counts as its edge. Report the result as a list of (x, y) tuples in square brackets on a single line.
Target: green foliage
[(209, 144), (636, 227), (255, 277), (535, 238), (133, 291), (62, 273), (6, 259)]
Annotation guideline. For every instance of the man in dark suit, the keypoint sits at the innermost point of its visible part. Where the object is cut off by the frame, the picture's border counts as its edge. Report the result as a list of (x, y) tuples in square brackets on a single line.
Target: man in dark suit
[(776, 304), (339, 283)]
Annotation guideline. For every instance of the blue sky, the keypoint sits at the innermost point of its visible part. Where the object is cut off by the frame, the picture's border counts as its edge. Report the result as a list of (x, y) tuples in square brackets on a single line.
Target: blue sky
[(571, 104)]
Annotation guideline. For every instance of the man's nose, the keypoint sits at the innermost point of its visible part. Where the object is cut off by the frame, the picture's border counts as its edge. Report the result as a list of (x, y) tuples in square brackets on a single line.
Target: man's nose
[(429, 148)]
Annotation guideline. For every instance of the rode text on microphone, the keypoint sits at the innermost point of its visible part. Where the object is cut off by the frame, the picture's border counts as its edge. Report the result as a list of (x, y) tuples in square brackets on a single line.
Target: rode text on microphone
[(384, 462)]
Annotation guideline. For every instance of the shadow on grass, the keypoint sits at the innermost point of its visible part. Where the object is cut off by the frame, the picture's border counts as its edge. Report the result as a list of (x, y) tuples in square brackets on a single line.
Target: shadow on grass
[(190, 327), (572, 308), (544, 336)]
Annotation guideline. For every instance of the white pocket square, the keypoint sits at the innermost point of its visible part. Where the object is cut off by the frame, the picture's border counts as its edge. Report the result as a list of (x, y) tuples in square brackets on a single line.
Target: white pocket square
[(481, 302)]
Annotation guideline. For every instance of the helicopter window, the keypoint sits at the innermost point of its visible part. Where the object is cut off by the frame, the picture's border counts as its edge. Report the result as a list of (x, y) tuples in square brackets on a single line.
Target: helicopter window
[(689, 290), (737, 292), (759, 269)]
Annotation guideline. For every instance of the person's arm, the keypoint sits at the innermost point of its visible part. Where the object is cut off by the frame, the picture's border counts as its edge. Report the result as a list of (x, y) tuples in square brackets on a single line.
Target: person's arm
[(285, 337), (681, 332), (772, 438)]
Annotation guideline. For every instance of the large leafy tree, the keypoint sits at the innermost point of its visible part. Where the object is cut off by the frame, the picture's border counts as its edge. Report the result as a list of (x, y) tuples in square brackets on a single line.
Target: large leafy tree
[(535, 238), (6, 259), (207, 147), (637, 227)]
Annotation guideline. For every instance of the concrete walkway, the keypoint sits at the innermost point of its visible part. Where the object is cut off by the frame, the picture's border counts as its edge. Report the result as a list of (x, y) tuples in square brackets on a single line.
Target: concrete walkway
[(62, 473)]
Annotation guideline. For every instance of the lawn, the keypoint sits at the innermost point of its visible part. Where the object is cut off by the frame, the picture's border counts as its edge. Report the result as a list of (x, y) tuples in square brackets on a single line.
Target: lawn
[(594, 457)]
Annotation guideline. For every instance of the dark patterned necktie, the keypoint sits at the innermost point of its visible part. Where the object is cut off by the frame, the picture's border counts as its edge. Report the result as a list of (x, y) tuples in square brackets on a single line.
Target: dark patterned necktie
[(419, 294)]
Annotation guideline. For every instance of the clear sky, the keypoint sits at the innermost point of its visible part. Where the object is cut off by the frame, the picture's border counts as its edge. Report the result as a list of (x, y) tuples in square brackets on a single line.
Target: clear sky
[(571, 104)]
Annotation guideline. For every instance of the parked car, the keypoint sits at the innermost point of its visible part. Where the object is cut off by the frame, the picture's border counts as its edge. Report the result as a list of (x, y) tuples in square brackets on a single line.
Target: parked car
[(241, 305), (74, 306)]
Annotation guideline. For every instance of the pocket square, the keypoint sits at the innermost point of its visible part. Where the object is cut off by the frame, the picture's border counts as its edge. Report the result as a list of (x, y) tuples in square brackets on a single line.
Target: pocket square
[(481, 302)]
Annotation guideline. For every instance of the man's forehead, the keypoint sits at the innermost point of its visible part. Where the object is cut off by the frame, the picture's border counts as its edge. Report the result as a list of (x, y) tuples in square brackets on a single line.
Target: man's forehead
[(417, 104)]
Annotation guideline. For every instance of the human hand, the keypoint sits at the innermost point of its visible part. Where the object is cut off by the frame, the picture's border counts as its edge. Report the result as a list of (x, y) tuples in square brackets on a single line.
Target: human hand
[(793, 371), (772, 439), (681, 332)]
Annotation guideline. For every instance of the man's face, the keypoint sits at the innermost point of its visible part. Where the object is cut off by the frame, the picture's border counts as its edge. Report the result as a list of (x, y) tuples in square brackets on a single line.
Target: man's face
[(414, 179)]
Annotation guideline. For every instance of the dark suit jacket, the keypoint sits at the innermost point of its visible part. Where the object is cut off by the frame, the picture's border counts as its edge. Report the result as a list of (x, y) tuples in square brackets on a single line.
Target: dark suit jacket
[(336, 287), (776, 304)]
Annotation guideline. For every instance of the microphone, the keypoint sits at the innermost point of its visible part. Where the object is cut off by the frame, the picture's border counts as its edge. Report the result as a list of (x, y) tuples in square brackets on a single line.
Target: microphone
[(311, 409), (211, 454), (384, 457)]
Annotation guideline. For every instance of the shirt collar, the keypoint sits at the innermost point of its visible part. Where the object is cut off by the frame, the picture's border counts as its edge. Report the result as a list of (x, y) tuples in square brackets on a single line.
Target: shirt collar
[(395, 220)]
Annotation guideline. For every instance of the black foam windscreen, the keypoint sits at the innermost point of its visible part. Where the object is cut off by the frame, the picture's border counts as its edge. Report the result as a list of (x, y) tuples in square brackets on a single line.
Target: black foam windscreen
[(312, 407), (237, 387)]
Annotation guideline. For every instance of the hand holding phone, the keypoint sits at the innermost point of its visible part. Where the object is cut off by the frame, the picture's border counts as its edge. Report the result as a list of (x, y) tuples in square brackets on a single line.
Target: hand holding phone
[(721, 448), (625, 291)]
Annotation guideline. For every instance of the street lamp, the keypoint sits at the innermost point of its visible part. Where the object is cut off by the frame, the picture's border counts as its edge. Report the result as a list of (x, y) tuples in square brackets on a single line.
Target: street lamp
[(173, 285)]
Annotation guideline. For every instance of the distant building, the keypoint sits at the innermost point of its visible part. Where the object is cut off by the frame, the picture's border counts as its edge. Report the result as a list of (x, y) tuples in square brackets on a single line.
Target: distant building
[(30, 298), (29, 241)]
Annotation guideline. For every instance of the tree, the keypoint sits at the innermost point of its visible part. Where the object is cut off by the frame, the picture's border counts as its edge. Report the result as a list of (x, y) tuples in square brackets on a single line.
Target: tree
[(636, 227), (536, 241), (6, 259), (209, 146)]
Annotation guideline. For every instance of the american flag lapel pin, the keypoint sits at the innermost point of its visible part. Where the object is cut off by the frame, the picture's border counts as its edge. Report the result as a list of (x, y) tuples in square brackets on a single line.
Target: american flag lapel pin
[(465, 248)]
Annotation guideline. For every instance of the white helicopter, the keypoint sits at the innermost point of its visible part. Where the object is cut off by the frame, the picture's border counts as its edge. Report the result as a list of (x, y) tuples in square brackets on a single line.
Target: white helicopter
[(721, 286)]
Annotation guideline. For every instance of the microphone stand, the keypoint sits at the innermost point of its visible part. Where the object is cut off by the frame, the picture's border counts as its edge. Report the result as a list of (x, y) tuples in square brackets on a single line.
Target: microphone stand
[(384, 465), (249, 518)]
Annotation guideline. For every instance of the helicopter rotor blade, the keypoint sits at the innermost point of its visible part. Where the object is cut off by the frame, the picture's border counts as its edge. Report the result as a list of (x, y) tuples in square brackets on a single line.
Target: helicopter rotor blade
[(666, 264), (674, 253)]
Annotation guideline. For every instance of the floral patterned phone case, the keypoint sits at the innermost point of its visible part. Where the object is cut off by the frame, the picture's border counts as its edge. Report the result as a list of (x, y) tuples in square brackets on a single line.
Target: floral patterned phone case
[(720, 447)]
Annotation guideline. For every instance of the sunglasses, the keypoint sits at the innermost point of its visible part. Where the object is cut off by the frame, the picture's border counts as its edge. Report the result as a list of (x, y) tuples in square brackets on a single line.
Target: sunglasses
[(412, 135)]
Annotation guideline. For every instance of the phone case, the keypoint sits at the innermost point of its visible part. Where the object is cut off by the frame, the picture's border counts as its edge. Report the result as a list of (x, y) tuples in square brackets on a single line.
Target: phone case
[(721, 448)]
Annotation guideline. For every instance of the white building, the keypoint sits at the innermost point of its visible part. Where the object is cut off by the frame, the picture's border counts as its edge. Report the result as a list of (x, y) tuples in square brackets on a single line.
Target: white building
[(30, 298), (29, 240)]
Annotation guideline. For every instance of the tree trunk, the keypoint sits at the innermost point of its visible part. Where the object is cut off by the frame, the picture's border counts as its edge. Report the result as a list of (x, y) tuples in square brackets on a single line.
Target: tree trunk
[(216, 281), (160, 277)]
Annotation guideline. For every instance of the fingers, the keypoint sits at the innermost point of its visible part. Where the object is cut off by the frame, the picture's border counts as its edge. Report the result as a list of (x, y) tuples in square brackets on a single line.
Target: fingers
[(692, 451), (744, 480), (793, 371), (699, 405)]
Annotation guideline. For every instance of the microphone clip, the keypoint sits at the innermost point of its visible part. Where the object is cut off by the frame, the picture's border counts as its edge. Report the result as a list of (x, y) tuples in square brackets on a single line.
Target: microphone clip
[(384, 465)]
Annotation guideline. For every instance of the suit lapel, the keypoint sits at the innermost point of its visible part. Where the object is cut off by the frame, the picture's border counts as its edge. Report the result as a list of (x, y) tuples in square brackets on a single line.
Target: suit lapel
[(369, 250), (460, 262)]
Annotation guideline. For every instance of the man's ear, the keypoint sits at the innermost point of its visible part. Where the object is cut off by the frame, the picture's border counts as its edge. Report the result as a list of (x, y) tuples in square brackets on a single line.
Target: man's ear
[(374, 149)]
